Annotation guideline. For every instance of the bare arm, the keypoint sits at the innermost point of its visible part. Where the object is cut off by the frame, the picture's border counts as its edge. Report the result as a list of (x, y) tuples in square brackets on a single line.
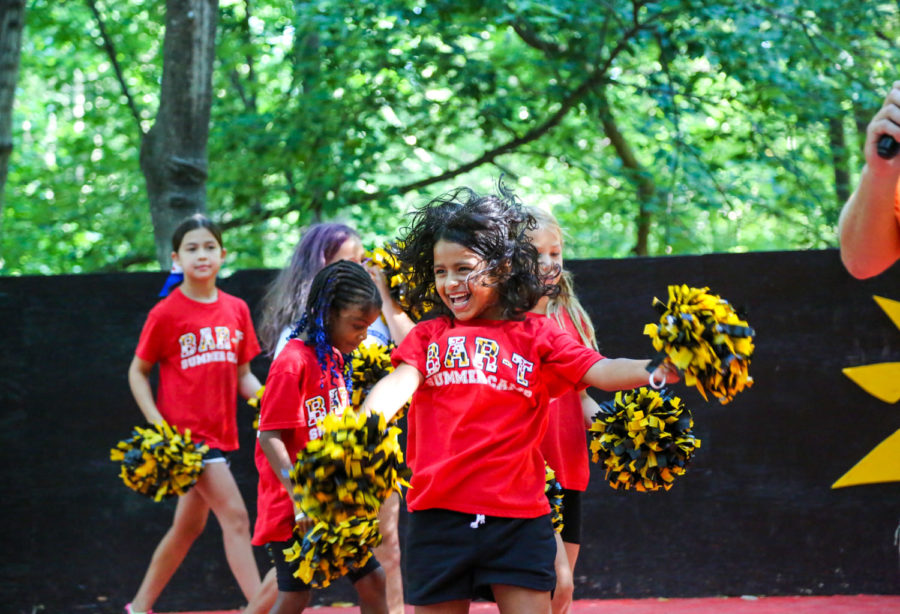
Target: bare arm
[(589, 408), (393, 391), (276, 453), (248, 384), (625, 373), (868, 228), (273, 447), (397, 321), (139, 382)]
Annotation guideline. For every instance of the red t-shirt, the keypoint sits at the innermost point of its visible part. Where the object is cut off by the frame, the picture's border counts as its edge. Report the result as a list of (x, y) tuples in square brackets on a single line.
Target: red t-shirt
[(298, 396), (476, 422), (565, 443), (198, 347)]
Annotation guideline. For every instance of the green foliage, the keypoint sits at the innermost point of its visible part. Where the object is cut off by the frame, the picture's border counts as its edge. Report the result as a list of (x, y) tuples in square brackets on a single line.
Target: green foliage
[(332, 109)]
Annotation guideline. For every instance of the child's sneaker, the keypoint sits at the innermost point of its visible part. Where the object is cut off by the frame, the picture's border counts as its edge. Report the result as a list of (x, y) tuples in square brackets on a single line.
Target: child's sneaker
[(128, 610)]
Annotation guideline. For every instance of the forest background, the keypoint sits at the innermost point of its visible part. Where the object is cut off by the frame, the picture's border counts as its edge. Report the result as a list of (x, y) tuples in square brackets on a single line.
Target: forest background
[(648, 128)]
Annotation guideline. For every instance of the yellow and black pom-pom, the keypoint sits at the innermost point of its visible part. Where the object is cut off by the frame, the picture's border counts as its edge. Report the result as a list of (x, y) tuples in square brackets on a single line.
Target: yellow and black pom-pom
[(643, 438), (329, 550), (340, 481), (398, 278), (351, 469), (254, 402), (371, 362), (553, 490), (703, 336), (158, 461)]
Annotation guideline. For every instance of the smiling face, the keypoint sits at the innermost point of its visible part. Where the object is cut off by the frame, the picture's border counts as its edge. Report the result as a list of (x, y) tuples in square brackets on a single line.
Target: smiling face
[(458, 283), (199, 255), (549, 248), (349, 327)]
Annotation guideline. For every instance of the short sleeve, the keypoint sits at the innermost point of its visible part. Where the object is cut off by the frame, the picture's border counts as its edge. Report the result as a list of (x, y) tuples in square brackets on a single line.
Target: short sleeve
[(565, 359), (412, 350), (282, 403), (149, 346)]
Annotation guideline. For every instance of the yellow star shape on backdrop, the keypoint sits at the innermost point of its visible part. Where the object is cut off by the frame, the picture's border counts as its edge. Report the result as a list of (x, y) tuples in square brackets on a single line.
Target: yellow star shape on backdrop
[(882, 381)]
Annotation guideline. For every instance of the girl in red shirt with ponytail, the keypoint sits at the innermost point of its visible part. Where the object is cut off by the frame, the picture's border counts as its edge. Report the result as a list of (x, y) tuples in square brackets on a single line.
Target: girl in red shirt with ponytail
[(565, 445)]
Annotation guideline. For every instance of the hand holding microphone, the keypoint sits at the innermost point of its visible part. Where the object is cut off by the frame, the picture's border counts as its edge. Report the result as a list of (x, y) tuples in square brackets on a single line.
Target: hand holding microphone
[(887, 147)]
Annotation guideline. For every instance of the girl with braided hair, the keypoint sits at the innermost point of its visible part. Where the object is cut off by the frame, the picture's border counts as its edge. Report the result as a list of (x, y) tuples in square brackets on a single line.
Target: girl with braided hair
[(307, 381), (481, 375), (282, 306)]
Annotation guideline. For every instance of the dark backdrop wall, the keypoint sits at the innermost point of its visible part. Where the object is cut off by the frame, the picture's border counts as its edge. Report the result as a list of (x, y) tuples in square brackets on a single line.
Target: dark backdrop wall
[(754, 514)]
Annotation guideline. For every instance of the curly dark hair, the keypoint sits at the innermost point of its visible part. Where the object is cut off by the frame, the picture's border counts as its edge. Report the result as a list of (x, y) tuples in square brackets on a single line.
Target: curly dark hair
[(493, 226), (339, 285)]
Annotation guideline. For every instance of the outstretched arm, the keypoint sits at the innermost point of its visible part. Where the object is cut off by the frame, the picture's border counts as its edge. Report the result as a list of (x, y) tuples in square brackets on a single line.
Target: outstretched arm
[(393, 391), (868, 227), (626, 373)]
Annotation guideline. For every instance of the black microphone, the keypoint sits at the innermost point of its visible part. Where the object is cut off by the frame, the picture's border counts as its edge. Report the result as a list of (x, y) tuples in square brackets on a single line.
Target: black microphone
[(887, 146)]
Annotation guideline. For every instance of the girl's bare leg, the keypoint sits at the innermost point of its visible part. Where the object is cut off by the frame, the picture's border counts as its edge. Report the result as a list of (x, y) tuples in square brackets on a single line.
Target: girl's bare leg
[(265, 597), (566, 555), (191, 513), (448, 607), (218, 488), (388, 553), (520, 600)]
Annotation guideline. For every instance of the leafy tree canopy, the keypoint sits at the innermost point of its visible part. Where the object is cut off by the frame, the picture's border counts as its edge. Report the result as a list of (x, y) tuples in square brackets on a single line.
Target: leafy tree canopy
[(670, 127)]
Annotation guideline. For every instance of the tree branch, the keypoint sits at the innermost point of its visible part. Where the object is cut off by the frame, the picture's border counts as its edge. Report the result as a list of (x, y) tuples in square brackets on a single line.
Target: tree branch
[(487, 157), (111, 52), (530, 38)]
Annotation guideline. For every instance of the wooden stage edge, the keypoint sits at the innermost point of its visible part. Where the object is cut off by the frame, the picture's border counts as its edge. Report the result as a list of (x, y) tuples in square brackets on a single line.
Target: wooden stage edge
[(837, 604)]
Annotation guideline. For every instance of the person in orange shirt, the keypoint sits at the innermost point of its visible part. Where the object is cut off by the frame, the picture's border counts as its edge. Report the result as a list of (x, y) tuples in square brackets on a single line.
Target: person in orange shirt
[(869, 226)]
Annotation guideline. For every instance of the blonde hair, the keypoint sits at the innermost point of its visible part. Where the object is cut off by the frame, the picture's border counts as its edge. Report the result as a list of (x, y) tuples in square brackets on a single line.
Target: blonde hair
[(566, 300)]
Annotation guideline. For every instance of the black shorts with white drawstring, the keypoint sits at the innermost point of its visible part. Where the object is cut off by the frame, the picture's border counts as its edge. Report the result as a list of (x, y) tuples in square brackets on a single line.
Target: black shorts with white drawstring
[(454, 556)]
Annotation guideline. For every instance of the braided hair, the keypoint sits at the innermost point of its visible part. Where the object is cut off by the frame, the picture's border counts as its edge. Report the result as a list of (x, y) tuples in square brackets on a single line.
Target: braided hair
[(493, 226), (336, 287)]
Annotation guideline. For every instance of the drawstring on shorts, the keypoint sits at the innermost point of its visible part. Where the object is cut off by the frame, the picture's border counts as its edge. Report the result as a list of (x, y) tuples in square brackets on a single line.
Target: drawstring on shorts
[(479, 520)]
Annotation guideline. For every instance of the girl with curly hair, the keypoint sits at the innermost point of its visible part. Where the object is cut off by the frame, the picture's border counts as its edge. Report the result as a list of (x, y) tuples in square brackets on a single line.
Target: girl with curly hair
[(481, 374)]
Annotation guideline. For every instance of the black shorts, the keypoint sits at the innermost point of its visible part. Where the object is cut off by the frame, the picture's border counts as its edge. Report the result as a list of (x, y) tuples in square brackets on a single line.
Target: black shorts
[(459, 556), (284, 571), (215, 455), (571, 513)]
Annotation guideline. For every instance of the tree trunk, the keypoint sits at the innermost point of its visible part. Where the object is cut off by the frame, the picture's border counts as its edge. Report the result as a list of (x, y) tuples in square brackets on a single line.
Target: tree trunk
[(12, 22), (173, 152), (637, 174)]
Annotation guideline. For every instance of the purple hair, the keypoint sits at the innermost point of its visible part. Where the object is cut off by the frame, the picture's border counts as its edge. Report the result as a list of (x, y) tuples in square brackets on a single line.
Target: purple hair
[(285, 299)]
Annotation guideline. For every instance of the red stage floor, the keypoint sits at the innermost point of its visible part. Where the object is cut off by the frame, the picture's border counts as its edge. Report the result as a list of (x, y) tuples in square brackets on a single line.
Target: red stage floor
[(838, 604)]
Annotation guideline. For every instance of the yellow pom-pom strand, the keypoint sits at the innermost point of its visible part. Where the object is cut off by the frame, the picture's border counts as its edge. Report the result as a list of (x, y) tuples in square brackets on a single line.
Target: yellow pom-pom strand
[(158, 461), (255, 402), (398, 277), (340, 481), (329, 550), (371, 362), (553, 490), (643, 438), (702, 335)]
